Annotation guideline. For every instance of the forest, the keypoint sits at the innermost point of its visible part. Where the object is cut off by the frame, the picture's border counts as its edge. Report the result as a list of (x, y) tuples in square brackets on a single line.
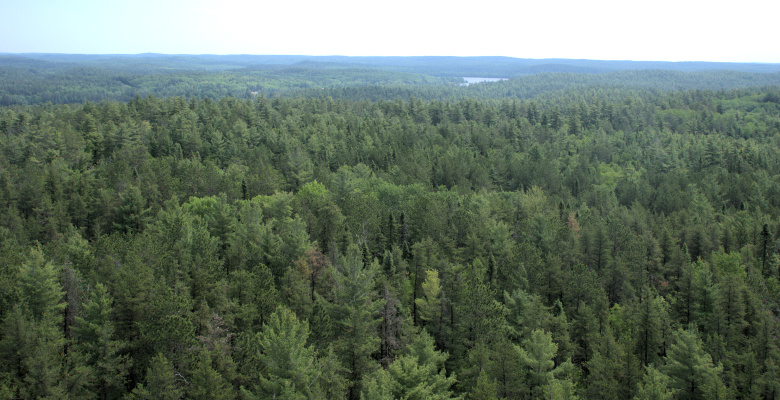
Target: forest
[(560, 235)]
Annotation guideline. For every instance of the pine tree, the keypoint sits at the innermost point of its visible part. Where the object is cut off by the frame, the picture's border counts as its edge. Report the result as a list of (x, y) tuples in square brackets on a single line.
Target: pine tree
[(355, 311), (606, 368), (40, 362), (654, 386), (479, 316), (289, 365), (206, 383), (94, 335), (498, 365), (162, 382), (429, 305), (537, 354), (650, 319), (690, 368), (417, 375)]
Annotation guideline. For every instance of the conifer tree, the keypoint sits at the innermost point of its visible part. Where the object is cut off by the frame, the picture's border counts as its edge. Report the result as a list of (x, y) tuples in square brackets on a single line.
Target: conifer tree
[(162, 382), (94, 335), (417, 375), (429, 305), (654, 386), (206, 383), (690, 368), (289, 365), (537, 355), (33, 331), (355, 311), (650, 320)]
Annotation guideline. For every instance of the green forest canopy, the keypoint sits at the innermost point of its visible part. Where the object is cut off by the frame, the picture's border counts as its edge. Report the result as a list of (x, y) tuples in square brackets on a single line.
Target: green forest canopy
[(549, 236)]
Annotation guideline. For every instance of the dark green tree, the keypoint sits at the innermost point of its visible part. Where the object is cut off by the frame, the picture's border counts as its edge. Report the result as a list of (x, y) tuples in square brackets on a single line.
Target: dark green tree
[(354, 308), (94, 335), (690, 369), (162, 381)]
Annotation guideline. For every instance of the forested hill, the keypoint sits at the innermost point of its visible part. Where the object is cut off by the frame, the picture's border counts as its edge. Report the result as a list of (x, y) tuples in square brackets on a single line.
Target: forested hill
[(505, 67), (596, 242), (59, 78)]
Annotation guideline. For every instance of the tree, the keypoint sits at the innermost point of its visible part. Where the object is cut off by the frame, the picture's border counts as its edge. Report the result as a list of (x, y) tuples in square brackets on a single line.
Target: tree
[(253, 297), (355, 310), (94, 336), (495, 368), (537, 355), (650, 320), (166, 326), (32, 332), (417, 375), (132, 213), (41, 291), (429, 306), (654, 386), (480, 317), (424, 257), (162, 382), (607, 369), (207, 383), (289, 365), (690, 368)]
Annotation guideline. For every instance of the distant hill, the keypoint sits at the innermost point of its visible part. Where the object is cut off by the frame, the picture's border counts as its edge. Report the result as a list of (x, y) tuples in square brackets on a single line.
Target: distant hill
[(505, 67), (75, 78)]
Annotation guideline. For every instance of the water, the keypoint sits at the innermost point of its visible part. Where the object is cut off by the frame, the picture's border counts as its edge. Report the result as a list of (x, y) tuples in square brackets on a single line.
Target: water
[(469, 80)]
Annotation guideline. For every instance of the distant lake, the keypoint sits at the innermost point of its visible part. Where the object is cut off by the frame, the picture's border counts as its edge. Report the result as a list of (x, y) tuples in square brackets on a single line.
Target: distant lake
[(470, 79)]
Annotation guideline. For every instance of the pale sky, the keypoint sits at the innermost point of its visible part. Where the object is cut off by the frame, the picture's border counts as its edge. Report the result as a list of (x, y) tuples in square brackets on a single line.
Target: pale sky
[(661, 30)]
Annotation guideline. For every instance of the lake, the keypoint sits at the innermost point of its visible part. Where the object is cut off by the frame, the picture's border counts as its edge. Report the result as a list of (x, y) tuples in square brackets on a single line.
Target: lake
[(470, 79)]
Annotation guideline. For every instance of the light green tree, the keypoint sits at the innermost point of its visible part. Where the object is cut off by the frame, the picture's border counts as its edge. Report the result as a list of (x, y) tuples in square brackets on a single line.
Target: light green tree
[(417, 375), (537, 354), (654, 386), (289, 365), (429, 305)]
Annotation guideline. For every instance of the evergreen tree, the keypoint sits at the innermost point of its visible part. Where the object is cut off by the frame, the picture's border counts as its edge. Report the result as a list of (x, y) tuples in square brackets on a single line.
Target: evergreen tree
[(94, 335), (32, 338), (417, 375), (606, 369), (429, 305), (690, 368), (289, 365), (206, 382), (355, 310), (654, 386), (537, 355), (162, 382), (650, 321)]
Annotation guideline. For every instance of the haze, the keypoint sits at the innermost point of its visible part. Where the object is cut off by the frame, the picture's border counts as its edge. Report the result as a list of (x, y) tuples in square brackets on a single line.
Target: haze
[(664, 30)]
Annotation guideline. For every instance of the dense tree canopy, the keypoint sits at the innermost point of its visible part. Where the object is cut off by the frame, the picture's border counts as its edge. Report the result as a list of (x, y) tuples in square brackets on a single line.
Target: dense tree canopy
[(599, 242)]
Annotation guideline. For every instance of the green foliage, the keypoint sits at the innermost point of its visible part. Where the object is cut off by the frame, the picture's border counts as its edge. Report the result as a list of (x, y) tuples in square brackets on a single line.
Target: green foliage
[(162, 381), (355, 310), (690, 368), (429, 306), (95, 338), (654, 386), (207, 383), (543, 375), (543, 237), (419, 374), (41, 291), (289, 365)]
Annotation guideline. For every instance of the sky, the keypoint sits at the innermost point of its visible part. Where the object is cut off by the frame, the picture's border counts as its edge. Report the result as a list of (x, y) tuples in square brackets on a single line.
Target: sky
[(660, 30)]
